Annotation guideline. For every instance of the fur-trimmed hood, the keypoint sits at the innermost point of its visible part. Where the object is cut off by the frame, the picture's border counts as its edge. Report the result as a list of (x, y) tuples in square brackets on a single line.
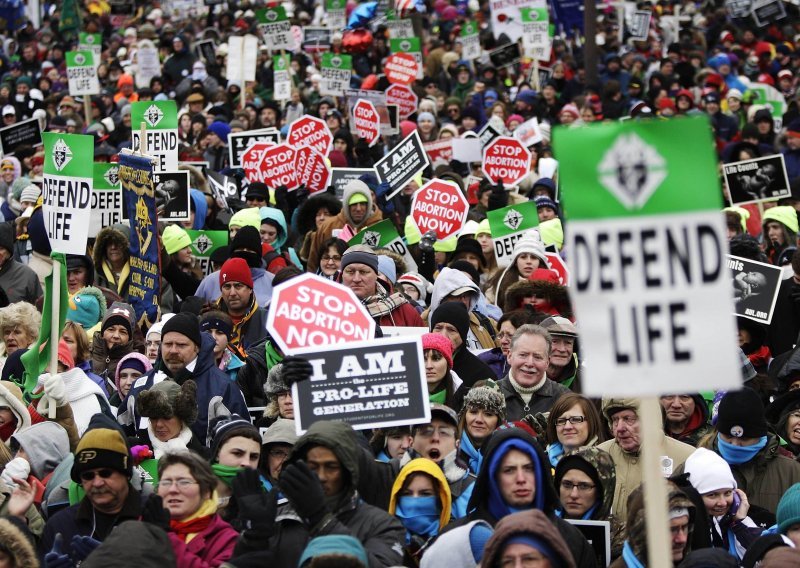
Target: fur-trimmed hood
[(11, 396), (556, 294), (16, 544), (306, 216), (105, 237)]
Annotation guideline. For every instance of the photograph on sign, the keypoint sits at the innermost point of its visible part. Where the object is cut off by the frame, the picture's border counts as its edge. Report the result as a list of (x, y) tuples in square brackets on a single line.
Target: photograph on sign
[(755, 288), (172, 195), (206, 50), (759, 179), (529, 132), (764, 13), (316, 39), (505, 55), (640, 25), (402, 163), (24, 133), (372, 384)]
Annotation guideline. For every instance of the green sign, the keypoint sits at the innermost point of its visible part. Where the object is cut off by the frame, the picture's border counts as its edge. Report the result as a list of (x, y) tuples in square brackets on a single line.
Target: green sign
[(384, 235), (335, 5), (534, 15), (405, 45), (336, 69), (203, 245), (271, 15), (160, 119), (508, 225), (106, 197), (469, 29), (82, 73), (337, 61)]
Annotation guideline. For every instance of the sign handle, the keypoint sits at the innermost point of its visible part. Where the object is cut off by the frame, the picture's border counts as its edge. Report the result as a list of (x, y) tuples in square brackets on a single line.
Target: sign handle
[(142, 138), (54, 331), (536, 83), (87, 109), (658, 541), (244, 80)]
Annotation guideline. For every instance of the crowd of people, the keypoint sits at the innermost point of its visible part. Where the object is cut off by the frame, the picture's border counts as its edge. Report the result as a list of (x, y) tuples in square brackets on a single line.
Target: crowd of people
[(174, 444)]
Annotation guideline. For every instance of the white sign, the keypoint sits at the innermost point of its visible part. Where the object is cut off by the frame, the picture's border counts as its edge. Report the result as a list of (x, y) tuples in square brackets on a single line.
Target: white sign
[(148, 64), (82, 74)]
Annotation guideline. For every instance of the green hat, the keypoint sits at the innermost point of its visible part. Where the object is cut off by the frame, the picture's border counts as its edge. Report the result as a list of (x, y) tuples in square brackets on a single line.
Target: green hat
[(552, 232), (250, 217), (24, 79), (357, 197), (483, 228), (785, 214), (175, 238)]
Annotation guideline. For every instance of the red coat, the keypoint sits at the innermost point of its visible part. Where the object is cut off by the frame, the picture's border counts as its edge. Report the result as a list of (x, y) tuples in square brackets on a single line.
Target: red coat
[(208, 549), (403, 316)]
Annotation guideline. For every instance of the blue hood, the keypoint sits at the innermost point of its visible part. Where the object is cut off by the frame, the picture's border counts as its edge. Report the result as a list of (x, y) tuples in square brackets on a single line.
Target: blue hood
[(277, 216), (200, 208)]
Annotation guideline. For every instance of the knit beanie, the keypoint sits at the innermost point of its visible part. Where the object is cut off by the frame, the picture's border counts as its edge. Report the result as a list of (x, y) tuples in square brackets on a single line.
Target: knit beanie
[(552, 232), (235, 270), (175, 238), (426, 116), (361, 254), (186, 324), (30, 194), (250, 217), (544, 201), (570, 462), (487, 397), (454, 313), (335, 545), (101, 446), (247, 245), (119, 313), (417, 281), (227, 427), (135, 361), (87, 307), (221, 129), (440, 343), (167, 399), (469, 245), (785, 214), (708, 471), (788, 512), (741, 415), (531, 242), (64, 355), (387, 267)]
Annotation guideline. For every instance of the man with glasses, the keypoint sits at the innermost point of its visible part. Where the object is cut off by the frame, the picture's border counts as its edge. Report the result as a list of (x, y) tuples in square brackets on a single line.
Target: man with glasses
[(623, 418)]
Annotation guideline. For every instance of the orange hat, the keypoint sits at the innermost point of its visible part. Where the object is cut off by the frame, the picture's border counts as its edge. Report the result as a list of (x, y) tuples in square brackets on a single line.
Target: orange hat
[(124, 79)]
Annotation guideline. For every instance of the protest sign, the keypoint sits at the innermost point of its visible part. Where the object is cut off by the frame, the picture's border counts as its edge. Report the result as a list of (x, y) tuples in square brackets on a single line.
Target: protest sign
[(67, 190), (106, 198), (144, 290), (242, 58), (172, 195), (148, 63), (759, 179), (276, 28), (401, 68), (505, 55), (440, 152), (402, 163), (281, 79), (506, 160), (161, 129), (639, 28), (312, 311), (536, 32), (755, 288), (529, 132), (340, 177), (81, 73), (488, 134), (466, 149), (384, 235), (312, 132), (508, 224), (558, 266), (311, 169), (336, 14), (206, 50), (739, 8), (506, 17), (93, 43), (647, 247), (470, 41), (773, 98), (366, 121), (373, 384), (277, 167), (316, 39), (768, 11), (399, 27), (120, 12), (377, 98), (222, 188), (404, 97), (203, 245), (238, 142), (409, 46), (598, 534), (336, 70), (24, 133), (251, 160), (439, 206)]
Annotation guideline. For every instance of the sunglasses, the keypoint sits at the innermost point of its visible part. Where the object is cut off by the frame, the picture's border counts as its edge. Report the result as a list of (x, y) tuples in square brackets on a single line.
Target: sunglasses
[(90, 475)]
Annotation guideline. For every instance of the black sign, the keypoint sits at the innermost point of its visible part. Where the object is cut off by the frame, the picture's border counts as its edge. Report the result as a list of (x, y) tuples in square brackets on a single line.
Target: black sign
[(222, 187), (206, 50), (759, 179), (505, 55), (402, 163), (240, 141), (738, 8), (172, 195), (767, 12), (755, 288), (25, 133), (340, 177), (317, 39), (598, 533), (374, 384), (122, 8), (487, 134)]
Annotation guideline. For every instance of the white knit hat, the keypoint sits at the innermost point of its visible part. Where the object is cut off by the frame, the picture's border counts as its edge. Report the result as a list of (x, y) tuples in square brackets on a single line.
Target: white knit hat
[(30, 194), (709, 472), (417, 281), (531, 242)]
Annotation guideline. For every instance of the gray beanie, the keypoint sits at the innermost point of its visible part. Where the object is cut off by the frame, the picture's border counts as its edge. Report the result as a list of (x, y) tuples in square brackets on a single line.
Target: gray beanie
[(361, 254), (487, 396)]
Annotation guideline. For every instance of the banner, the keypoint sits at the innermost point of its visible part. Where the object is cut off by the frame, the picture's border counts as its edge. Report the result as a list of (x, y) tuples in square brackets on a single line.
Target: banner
[(755, 288), (203, 245), (67, 190), (647, 246), (371, 384), (759, 179), (106, 198), (384, 235), (136, 175), (508, 225), (161, 129)]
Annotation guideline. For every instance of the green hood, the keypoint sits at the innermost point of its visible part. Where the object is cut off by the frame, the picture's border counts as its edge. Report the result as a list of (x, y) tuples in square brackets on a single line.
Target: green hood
[(337, 437)]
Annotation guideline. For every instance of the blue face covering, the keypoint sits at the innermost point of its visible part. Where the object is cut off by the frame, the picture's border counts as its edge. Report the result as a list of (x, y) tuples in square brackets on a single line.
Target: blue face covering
[(420, 515), (736, 455)]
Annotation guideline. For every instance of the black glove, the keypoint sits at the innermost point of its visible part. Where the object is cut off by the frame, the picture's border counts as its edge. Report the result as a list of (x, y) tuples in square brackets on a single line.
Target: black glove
[(301, 194), (498, 198), (282, 198), (257, 508), (56, 558), (153, 512), (302, 487), (296, 369), (427, 241)]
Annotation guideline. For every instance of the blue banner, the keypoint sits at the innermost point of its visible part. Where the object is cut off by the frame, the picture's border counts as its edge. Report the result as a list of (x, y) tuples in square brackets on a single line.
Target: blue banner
[(136, 175), (567, 16), (12, 15)]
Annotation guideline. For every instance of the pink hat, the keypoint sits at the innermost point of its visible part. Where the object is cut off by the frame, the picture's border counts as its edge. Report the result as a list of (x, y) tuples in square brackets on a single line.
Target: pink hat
[(441, 344), (570, 109), (518, 117)]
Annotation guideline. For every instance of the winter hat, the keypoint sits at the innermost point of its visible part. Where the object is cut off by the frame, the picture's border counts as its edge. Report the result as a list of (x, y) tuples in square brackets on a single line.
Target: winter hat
[(417, 281), (46, 444), (528, 96), (531, 242), (560, 327), (514, 118), (275, 383), (135, 361), (249, 217), (282, 431), (544, 201), (221, 129), (741, 415), (167, 399), (7, 237), (454, 313), (351, 189), (11, 398), (611, 406), (64, 355), (468, 245), (785, 214), (175, 238), (101, 446), (247, 245), (426, 116), (235, 270), (468, 268), (570, 109), (119, 313), (30, 194), (488, 397), (225, 428), (335, 545), (552, 232), (361, 254), (387, 267), (788, 512), (708, 471), (734, 94), (461, 546), (186, 324), (440, 343)]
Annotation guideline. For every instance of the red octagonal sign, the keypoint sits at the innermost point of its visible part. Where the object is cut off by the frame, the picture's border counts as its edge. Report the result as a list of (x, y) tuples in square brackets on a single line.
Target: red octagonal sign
[(251, 161), (506, 159), (404, 97), (310, 131), (367, 121), (311, 311), (440, 206), (559, 267), (311, 169), (277, 167), (401, 68)]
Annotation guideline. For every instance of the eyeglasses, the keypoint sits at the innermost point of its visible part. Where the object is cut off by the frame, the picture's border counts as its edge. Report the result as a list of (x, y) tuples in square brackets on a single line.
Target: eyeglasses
[(582, 487), (90, 475), (182, 483), (629, 420), (504, 335), (571, 420), (328, 258), (428, 432), (282, 454)]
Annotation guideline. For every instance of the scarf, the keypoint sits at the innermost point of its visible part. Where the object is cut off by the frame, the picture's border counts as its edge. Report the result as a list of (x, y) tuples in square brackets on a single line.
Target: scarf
[(111, 277), (760, 357), (160, 448), (381, 305), (419, 515), (737, 455), (554, 452), (225, 473), (238, 326), (438, 397), (525, 392), (474, 456), (196, 523), (8, 429), (629, 557)]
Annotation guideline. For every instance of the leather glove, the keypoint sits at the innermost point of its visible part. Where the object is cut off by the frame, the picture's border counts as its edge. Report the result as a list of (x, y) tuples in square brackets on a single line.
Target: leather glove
[(55, 388), (83, 546), (296, 369), (427, 241), (19, 468), (153, 512), (257, 508), (56, 558), (303, 489), (498, 198)]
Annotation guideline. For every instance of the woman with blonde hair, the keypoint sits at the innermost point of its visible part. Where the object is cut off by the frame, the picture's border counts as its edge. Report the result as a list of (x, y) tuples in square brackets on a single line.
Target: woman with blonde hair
[(19, 328)]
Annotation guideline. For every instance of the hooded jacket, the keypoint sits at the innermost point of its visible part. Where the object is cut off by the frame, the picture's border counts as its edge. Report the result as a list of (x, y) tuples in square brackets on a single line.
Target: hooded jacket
[(602, 463), (46, 444), (486, 503), (15, 540), (381, 534), (279, 244), (104, 276), (530, 522), (11, 397), (200, 208), (697, 427)]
